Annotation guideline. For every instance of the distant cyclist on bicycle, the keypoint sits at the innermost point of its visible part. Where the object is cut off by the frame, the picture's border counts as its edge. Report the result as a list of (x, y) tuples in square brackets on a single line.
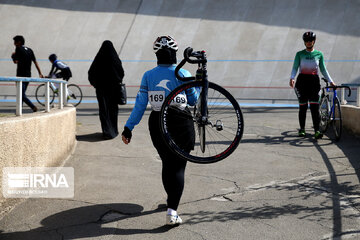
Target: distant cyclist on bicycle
[(307, 86), (59, 69), (156, 84)]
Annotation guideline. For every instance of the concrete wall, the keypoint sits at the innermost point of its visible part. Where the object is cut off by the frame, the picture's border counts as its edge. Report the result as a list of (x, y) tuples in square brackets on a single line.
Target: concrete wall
[(351, 118), (37, 140), (249, 43)]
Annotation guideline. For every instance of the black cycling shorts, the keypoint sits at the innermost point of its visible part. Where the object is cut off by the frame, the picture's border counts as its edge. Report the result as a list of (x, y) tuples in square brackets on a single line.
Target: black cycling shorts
[(180, 127), (307, 88), (64, 74)]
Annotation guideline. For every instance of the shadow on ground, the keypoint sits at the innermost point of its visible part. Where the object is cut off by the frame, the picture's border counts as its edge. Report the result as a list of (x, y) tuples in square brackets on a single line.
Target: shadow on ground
[(88, 222), (337, 191), (91, 137)]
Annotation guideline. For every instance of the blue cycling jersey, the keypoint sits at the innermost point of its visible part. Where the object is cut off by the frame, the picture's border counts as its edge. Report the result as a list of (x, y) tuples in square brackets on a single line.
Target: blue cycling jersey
[(156, 85), (64, 69), (57, 65)]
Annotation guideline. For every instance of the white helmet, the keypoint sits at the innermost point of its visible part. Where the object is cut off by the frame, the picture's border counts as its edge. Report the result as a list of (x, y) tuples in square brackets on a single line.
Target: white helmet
[(165, 42)]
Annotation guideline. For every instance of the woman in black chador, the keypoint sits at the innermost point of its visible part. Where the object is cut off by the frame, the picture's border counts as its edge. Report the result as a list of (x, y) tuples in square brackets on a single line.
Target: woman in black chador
[(105, 74)]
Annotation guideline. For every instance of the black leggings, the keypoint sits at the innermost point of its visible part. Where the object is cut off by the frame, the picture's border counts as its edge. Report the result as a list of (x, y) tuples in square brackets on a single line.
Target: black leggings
[(307, 89), (314, 108), (173, 167)]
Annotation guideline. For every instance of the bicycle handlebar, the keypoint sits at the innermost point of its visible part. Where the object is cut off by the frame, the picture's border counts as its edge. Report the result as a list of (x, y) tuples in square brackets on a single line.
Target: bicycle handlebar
[(335, 87), (188, 53), (177, 69), (199, 55)]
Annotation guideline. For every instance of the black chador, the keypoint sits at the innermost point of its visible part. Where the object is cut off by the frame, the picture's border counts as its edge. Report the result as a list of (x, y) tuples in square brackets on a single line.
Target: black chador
[(105, 74)]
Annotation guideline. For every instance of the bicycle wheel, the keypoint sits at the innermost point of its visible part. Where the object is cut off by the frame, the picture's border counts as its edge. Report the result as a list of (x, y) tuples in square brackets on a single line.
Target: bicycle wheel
[(336, 119), (324, 111), (224, 126), (74, 94), (40, 94)]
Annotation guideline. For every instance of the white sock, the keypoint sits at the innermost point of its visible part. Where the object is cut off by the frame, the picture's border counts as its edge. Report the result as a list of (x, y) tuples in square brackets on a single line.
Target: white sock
[(171, 212)]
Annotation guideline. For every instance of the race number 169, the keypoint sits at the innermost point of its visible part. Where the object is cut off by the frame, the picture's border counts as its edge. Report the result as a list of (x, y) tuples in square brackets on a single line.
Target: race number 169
[(156, 98)]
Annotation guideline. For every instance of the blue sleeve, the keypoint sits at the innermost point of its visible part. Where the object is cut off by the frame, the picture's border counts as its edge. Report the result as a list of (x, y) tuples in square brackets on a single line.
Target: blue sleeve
[(192, 95), (140, 105)]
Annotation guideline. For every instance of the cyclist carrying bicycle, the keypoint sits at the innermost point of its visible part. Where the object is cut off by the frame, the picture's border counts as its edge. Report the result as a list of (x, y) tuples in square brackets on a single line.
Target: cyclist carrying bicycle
[(307, 86), (156, 84)]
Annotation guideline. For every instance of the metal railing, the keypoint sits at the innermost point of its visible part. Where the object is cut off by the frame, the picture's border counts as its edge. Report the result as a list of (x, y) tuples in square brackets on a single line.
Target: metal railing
[(357, 93), (47, 81)]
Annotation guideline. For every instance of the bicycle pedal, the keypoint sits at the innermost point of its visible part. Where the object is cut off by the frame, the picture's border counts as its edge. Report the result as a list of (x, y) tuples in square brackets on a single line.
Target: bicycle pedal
[(219, 125)]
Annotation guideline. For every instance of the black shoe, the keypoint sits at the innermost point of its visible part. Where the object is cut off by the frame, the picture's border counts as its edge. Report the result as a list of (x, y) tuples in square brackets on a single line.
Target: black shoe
[(35, 109)]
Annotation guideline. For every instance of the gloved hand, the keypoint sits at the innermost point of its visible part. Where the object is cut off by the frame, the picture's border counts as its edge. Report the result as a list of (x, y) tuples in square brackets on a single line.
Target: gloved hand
[(126, 135)]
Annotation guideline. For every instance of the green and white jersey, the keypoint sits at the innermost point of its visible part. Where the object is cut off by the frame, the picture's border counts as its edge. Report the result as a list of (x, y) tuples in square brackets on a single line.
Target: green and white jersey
[(310, 63)]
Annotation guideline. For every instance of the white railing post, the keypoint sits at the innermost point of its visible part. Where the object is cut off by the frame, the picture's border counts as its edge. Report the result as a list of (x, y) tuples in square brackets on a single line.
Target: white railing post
[(342, 100), (19, 98), (358, 97), (61, 98), (65, 93), (47, 98)]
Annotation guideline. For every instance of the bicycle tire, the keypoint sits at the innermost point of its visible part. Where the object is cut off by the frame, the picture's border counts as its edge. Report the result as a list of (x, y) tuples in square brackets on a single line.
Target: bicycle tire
[(74, 94), (324, 111), (337, 120), (223, 133), (40, 94)]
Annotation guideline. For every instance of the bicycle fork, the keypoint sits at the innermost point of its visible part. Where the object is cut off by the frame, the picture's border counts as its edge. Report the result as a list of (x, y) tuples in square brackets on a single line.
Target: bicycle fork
[(204, 120), (204, 97)]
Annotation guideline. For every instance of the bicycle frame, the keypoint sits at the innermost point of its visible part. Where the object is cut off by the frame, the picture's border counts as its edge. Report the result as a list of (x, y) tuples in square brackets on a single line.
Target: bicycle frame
[(217, 131), (326, 91), (332, 102), (202, 66), (330, 114)]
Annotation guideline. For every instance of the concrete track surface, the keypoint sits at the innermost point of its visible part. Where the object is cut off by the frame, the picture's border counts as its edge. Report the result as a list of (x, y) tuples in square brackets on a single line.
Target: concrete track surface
[(274, 186), (250, 44)]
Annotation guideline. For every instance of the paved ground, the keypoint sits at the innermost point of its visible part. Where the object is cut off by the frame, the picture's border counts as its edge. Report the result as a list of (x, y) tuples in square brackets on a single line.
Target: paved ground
[(275, 186)]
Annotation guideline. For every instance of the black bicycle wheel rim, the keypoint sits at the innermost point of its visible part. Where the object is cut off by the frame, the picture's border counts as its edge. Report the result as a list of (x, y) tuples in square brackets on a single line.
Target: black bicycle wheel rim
[(40, 94), (75, 94), (324, 114), (231, 107), (337, 120)]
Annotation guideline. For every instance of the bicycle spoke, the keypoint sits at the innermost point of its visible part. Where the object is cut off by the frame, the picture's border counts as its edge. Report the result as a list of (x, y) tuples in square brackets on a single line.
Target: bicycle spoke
[(222, 133)]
